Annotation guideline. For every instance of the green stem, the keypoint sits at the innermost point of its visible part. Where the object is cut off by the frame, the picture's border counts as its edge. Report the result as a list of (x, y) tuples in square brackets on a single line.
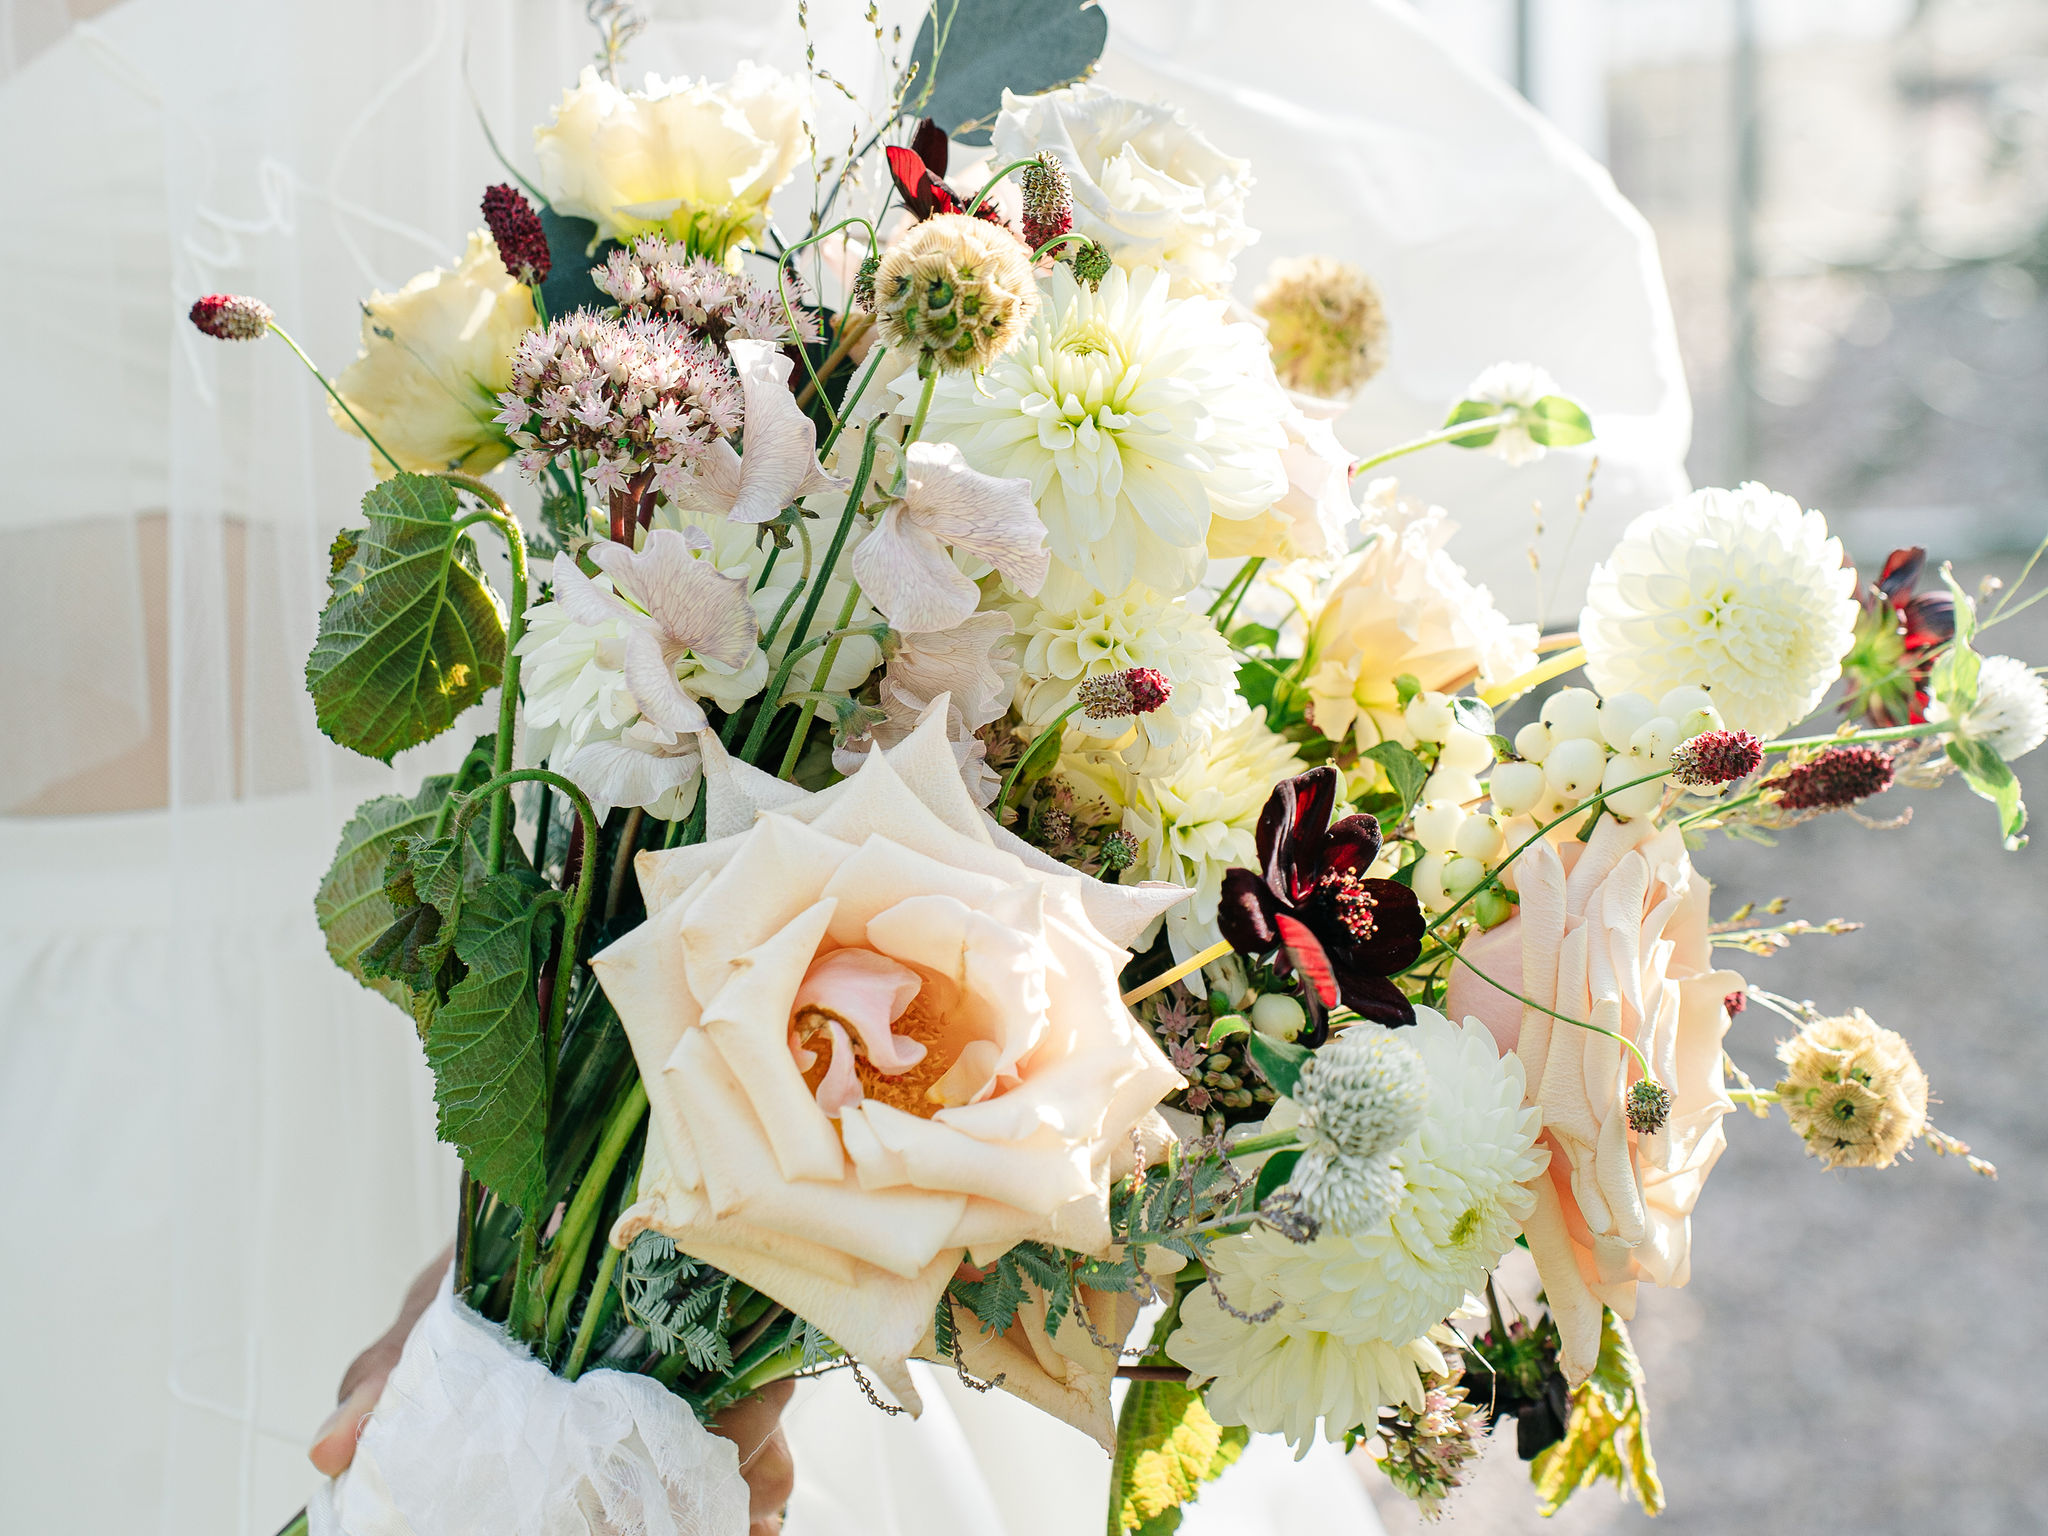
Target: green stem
[(1271, 1141), (1071, 237), (1250, 573), (500, 516), (1753, 1098), (1448, 434), (298, 1525), (1890, 733), (335, 395), (833, 641), (1530, 1002), (1714, 811), (586, 1331), (1493, 875), (579, 1222), (764, 711), (1239, 580), (990, 185), (924, 404), (1016, 768), (782, 269), (860, 387)]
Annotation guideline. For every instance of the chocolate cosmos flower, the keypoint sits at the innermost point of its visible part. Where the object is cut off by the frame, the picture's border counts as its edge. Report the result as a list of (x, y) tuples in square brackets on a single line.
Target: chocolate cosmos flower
[(1312, 903)]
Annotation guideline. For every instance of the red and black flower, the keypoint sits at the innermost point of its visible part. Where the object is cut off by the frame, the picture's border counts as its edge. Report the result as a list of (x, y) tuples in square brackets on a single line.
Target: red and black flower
[(1897, 636), (918, 169), (1312, 906)]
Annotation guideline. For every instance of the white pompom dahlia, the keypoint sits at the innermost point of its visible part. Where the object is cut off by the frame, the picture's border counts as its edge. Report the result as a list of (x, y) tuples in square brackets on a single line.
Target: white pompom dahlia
[(1740, 592)]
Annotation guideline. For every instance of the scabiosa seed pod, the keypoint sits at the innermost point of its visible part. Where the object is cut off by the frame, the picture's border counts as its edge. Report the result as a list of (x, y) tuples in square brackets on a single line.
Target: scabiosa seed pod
[(1090, 263), (1839, 776), (1119, 852), (232, 316), (1716, 757), (1048, 200), (1852, 1091), (864, 282), (1649, 1106), (1116, 695), (955, 289), (522, 243), (1326, 325)]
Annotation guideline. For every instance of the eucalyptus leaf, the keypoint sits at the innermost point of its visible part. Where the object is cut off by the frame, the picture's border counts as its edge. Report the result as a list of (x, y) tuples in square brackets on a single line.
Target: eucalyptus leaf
[(969, 51), (1274, 1172), (412, 635), (573, 249), (484, 1044)]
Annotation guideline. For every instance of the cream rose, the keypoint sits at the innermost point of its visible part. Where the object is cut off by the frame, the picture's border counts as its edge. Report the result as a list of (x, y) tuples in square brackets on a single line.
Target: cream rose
[(1402, 605), (1614, 932), (878, 1034), (1147, 187), (694, 159), (434, 356)]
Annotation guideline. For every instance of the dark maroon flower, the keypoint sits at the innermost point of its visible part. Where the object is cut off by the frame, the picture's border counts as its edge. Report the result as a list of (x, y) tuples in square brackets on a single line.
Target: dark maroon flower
[(1716, 757), (918, 169), (522, 242), (1312, 905), (1839, 777), (1888, 666), (1118, 695)]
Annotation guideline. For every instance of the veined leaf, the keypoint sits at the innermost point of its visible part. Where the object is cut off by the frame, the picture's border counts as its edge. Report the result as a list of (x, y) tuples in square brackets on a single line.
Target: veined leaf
[(982, 47), (1606, 1436), (1473, 410), (1987, 773), (351, 906), (1280, 1061), (1405, 772), (1556, 422), (1167, 1447), (484, 1043), (1475, 715), (412, 635)]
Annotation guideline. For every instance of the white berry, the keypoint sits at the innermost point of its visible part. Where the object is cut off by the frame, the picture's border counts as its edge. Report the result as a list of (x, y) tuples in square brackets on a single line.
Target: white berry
[(1621, 716), (1429, 716), (1574, 767), (1573, 713), (1465, 751), (1428, 882), (1461, 874), (1533, 741), (1652, 743), (1449, 784), (1682, 701), (1437, 823), (1639, 799), (1516, 787), (1278, 1016), (1479, 838)]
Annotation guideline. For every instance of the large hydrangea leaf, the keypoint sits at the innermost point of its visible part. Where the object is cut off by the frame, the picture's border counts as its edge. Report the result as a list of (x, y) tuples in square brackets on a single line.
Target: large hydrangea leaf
[(983, 47), (412, 635)]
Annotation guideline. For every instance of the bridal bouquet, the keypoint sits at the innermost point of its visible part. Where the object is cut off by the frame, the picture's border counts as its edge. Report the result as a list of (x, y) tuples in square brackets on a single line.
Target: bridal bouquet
[(1002, 844)]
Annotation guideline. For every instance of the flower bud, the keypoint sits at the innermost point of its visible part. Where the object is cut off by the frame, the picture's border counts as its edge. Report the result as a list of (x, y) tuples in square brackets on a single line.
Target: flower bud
[(522, 242), (1048, 200), (1278, 1016), (231, 316), (1716, 757), (1839, 777), (1090, 262)]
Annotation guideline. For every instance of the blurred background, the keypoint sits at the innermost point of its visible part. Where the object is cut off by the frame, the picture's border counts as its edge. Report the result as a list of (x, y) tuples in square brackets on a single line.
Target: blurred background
[(1849, 199)]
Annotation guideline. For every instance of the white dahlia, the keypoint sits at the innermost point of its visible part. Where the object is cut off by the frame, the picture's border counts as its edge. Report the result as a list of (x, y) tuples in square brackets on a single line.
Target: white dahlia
[(2011, 712), (1147, 186), (1280, 1379), (1737, 591), (1136, 416), (1072, 632), (1401, 604)]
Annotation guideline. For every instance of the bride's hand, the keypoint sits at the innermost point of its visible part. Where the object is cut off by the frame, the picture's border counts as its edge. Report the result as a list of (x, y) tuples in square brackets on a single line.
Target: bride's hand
[(754, 1424)]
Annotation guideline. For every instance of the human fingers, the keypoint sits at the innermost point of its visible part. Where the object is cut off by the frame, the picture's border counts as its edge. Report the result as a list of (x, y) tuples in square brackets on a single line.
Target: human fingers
[(754, 1425)]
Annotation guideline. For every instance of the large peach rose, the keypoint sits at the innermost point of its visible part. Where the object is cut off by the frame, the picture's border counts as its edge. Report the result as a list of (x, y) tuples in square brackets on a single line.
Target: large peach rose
[(1614, 932), (878, 1035)]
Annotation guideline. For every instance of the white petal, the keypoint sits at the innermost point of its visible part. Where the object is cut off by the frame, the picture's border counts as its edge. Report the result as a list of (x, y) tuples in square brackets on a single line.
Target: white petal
[(583, 599), (699, 610), (982, 514), (655, 689), (908, 576), (613, 774), (781, 458)]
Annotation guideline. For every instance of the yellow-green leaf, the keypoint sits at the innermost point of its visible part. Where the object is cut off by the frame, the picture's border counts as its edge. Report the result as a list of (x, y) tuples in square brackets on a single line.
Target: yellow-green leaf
[(1167, 1446), (1607, 1435)]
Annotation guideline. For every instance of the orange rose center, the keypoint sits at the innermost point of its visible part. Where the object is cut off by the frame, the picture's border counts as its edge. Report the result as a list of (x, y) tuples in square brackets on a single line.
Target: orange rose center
[(909, 1090)]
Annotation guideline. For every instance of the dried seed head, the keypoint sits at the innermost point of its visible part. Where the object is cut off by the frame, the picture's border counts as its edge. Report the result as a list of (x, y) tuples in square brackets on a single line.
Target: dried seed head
[(1117, 695), (955, 289), (1325, 324), (232, 316), (1852, 1091), (1090, 262), (864, 282), (1839, 776), (1716, 757), (1649, 1106), (522, 243), (1119, 851)]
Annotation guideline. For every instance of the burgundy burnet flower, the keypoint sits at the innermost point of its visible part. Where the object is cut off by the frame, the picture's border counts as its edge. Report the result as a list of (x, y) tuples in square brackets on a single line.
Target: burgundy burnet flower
[(522, 242), (1313, 906), (1888, 666), (1838, 777)]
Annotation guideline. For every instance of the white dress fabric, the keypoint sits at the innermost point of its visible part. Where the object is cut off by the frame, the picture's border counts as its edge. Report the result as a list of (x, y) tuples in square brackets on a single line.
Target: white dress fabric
[(225, 1167)]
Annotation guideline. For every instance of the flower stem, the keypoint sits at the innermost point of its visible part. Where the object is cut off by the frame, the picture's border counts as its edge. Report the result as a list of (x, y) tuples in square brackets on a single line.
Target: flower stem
[(335, 395), (822, 679), (1530, 1002), (1889, 733), (783, 266), (500, 516), (579, 1222), (1535, 677), (860, 387), (1448, 434), (1187, 967), (1270, 1141), (1016, 768), (990, 185)]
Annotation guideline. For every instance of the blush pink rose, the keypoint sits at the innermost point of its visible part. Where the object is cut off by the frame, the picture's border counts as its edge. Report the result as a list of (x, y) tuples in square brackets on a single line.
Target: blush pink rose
[(1613, 932)]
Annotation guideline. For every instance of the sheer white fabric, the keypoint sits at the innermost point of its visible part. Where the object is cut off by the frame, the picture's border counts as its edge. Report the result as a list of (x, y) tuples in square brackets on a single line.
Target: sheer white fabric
[(231, 1171)]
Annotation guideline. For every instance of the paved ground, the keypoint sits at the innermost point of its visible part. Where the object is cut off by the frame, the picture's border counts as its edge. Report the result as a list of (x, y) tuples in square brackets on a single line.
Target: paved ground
[(1862, 1352)]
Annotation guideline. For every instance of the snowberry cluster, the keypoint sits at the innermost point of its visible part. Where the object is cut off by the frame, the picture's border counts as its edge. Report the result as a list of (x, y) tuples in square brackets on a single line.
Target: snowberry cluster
[(627, 396), (660, 277)]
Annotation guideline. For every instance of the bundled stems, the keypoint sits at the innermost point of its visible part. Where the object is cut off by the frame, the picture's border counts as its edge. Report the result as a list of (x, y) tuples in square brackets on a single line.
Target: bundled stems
[(580, 1221)]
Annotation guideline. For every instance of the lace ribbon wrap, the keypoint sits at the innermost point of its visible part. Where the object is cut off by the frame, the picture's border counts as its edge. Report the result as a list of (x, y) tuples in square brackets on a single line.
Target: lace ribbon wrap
[(474, 1437)]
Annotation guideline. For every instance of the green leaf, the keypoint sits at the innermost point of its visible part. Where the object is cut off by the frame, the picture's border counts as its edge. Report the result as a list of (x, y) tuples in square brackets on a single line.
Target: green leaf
[(1167, 1447), (1280, 1060), (484, 1044), (573, 249), (1987, 773), (1475, 715), (413, 635), (1473, 410), (1228, 1025), (1607, 1436), (1043, 757), (1246, 636), (1556, 422), (985, 46), (1405, 771), (1954, 678), (1406, 686), (1503, 749), (1274, 1172), (351, 905)]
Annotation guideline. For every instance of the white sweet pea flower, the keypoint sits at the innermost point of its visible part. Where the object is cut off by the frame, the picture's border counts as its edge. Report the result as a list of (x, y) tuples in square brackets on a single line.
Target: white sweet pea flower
[(694, 159), (781, 461), (903, 564), (1147, 187)]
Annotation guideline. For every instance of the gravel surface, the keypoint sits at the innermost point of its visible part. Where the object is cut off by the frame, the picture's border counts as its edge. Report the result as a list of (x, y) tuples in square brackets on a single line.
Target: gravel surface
[(1857, 1351)]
